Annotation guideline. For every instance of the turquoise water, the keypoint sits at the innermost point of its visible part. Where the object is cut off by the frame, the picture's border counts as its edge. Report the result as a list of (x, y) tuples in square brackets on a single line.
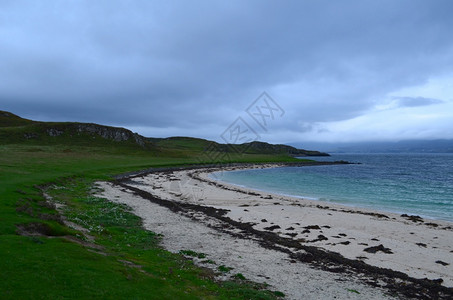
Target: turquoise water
[(420, 184)]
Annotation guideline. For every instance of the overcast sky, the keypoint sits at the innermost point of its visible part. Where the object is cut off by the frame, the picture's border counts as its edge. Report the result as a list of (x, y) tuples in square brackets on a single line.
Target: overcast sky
[(336, 70)]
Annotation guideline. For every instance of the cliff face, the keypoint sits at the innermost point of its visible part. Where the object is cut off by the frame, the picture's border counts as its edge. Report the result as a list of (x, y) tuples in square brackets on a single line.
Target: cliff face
[(111, 133), (14, 129), (29, 129), (72, 130)]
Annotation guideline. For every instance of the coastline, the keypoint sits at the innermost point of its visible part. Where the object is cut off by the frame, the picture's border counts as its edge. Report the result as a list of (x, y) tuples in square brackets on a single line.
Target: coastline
[(208, 176), (336, 239), (357, 191)]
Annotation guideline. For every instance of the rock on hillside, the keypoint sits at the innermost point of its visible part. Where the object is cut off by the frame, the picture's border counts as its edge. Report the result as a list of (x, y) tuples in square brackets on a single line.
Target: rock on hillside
[(17, 129), (116, 134), (111, 133)]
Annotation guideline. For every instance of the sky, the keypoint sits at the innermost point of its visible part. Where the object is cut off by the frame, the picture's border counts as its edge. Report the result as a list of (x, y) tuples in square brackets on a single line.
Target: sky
[(278, 71)]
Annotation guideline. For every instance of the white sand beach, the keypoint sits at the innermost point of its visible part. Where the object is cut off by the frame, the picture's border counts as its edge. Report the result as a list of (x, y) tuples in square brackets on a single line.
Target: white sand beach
[(416, 247)]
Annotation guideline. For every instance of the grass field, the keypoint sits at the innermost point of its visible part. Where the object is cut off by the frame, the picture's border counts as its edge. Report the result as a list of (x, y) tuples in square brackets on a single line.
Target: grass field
[(109, 255), (123, 261)]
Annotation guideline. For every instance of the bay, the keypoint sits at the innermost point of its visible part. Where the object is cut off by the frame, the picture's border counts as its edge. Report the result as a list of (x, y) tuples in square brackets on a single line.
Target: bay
[(418, 184)]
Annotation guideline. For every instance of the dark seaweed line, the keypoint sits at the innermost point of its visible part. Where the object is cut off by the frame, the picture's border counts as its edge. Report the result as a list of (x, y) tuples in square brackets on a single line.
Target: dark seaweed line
[(396, 282)]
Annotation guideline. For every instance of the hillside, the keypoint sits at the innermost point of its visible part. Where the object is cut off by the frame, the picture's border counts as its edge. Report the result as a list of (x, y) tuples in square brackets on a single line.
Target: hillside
[(260, 147), (8, 119), (77, 246), (17, 130)]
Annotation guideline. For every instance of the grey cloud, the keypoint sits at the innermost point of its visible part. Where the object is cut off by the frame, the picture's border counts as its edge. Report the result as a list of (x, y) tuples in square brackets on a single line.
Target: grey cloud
[(416, 101), (189, 64)]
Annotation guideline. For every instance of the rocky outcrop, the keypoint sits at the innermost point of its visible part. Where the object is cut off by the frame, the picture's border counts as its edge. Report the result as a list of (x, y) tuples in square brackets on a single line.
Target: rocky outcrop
[(59, 130), (54, 132), (30, 135), (111, 133)]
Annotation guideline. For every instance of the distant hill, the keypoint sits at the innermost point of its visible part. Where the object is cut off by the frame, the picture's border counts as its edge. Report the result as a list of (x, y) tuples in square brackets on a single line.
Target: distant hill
[(250, 148), (405, 146), (17, 130), (260, 147)]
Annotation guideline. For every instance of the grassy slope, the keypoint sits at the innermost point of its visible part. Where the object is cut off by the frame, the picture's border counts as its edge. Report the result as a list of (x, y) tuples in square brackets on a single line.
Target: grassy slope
[(53, 267)]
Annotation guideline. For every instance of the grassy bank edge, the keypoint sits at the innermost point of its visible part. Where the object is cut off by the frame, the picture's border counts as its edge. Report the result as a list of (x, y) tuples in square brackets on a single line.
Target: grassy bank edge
[(52, 260)]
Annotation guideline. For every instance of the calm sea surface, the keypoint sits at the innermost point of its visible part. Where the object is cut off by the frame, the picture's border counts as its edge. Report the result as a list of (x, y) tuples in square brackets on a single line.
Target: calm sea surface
[(420, 184)]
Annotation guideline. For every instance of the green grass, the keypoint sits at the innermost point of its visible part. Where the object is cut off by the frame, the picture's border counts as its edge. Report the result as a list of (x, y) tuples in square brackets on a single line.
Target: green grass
[(192, 253), (129, 262), (239, 276), (224, 269), (8, 119), (43, 258), (183, 143)]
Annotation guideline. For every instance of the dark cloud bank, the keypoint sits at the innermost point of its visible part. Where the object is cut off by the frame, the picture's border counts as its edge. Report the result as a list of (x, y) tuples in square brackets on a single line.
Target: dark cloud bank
[(192, 67)]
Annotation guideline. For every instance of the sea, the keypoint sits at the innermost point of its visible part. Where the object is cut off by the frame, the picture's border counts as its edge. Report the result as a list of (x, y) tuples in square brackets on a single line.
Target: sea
[(413, 184)]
